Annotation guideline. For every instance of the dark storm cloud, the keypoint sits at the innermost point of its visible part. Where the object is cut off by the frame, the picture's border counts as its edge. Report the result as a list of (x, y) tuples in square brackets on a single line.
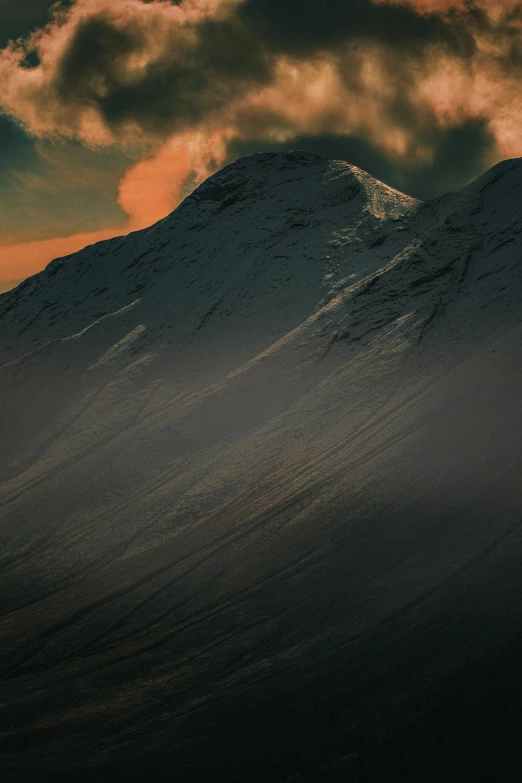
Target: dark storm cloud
[(194, 75), (206, 67), (158, 67), (311, 26)]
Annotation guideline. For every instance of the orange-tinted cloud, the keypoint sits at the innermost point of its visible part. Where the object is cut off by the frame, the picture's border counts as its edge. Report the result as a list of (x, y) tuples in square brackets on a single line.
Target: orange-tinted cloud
[(139, 74), (134, 73), (154, 186)]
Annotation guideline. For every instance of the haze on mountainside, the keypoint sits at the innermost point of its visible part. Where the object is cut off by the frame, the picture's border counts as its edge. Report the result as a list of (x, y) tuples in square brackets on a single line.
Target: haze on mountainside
[(260, 466), (110, 112)]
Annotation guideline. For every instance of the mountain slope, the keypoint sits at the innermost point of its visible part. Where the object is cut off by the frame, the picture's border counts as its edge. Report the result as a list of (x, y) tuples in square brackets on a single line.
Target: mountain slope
[(244, 260), (259, 459)]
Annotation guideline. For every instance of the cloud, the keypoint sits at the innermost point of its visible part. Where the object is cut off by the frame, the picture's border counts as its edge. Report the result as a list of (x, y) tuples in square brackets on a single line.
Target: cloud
[(129, 72), (498, 11), (349, 94), (136, 74), (184, 84)]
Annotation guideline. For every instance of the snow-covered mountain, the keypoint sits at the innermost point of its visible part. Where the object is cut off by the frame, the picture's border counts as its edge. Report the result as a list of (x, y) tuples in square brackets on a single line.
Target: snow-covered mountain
[(267, 449)]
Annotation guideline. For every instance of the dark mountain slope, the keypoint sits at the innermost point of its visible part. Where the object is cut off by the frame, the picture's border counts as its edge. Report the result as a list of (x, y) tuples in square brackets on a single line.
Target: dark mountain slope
[(281, 478)]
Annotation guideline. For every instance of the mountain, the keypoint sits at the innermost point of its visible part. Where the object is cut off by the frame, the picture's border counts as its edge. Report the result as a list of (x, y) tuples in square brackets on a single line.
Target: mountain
[(260, 461)]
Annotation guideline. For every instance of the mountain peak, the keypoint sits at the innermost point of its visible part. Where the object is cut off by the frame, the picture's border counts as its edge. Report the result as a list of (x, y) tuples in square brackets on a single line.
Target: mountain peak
[(256, 169), (262, 175)]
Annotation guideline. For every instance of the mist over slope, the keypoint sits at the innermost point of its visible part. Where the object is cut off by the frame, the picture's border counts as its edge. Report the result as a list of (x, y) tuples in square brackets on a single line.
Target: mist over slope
[(257, 460)]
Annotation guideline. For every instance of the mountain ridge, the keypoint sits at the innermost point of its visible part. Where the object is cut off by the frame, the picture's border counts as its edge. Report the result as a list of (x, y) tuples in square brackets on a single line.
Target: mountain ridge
[(281, 474)]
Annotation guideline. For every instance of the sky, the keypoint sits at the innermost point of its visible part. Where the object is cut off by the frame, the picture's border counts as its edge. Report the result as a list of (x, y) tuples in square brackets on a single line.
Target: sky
[(111, 111)]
